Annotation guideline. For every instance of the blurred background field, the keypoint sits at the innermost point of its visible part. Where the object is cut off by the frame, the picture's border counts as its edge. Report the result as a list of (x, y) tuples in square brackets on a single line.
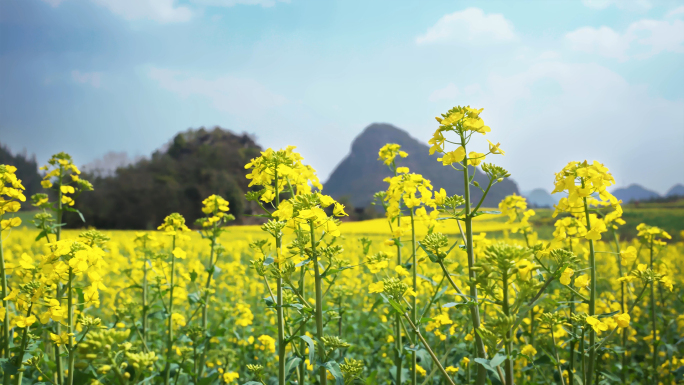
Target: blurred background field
[(668, 215)]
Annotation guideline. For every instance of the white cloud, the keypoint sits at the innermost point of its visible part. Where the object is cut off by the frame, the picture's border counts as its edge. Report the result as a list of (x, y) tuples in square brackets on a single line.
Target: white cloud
[(92, 78), (241, 97), (472, 26), (232, 3), (549, 55), (448, 92), (604, 41), (632, 5), (164, 11), (676, 12), (642, 39), (658, 35), (593, 113)]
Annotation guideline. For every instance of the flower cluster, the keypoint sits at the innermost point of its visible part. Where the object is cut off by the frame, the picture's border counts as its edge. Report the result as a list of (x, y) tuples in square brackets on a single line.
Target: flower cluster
[(278, 170), (414, 191), (10, 196), (586, 186), (515, 207), (390, 151), (60, 167)]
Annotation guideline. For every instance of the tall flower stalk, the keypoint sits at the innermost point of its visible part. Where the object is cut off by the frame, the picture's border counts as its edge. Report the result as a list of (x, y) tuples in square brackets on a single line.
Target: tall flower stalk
[(586, 185), (388, 154), (11, 194), (216, 208), (63, 176), (173, 226), (651, 237), (463, 122), (414, 192)]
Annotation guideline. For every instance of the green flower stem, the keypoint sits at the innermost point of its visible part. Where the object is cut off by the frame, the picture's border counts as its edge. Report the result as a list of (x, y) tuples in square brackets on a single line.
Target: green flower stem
[(571, 373), (143, 337), (22, 349), (447, 349), (592, 298), (323, 378), (169, 331), (427, 347), (398, 343), (279, 294), (474, 310), (555, 350), (508, 364), (302, 327), (531, 304), (117, 370), (72, 329), (451, 281), (414, 310), (5, 321), (654, 362), (641, 294), (205, 306), (281, 322), (584, 371), (623, 370), (58, 236)]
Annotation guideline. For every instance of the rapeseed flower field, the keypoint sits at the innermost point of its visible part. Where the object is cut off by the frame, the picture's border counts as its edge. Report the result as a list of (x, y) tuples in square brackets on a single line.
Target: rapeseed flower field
[(441, 291)]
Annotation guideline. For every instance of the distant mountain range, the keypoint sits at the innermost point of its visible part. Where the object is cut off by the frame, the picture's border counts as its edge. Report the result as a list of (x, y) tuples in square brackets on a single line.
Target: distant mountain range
[(676, 191), (540, 198), (632, 193), (637, 193), (360, 174)]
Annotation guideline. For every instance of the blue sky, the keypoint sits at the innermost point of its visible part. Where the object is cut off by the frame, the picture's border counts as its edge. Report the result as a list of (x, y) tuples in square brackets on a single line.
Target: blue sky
[(559, 80)]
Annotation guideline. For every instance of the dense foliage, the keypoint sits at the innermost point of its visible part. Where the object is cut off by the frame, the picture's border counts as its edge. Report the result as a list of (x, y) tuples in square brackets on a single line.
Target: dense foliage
[(196, 164)]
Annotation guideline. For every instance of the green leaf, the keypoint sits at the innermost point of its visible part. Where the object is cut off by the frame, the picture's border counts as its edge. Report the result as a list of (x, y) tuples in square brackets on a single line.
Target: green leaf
[(8, 366), (610, 376), (158, 315), (497, 360), (302, 263), (269, 302), (542, 360), (193, 298), (397, 306), (334, 369), (208, 380), (291, 365), (486, 365), (312, 348), (481, 212), (74, 211), (604, 315)]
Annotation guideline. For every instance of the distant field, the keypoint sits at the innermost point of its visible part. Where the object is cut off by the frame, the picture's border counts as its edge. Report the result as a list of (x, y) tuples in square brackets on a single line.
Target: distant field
[(666, 215)]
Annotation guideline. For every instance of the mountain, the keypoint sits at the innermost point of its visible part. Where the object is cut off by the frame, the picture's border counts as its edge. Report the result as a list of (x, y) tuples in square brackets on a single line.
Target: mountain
[(540, 198), (176, 178), (361, 174), (676, 191), (634, 192)]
